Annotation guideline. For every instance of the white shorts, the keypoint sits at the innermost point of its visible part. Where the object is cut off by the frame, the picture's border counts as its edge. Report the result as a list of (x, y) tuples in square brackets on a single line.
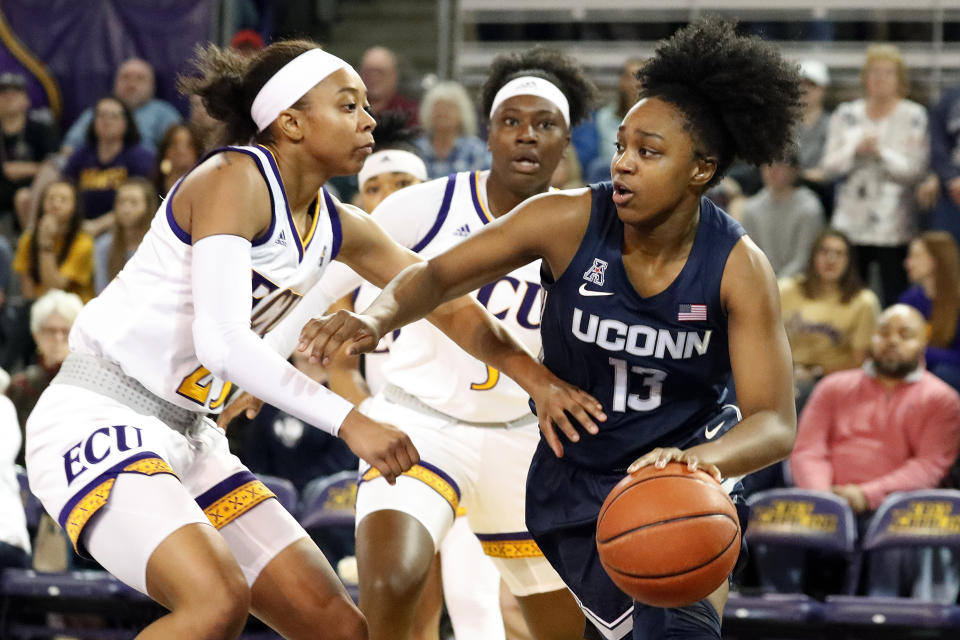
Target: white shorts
[(79, 442), (483, 469)]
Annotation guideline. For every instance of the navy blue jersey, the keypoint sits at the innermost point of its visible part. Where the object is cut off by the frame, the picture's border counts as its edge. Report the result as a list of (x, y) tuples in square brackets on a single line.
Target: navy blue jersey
[(658, 365)]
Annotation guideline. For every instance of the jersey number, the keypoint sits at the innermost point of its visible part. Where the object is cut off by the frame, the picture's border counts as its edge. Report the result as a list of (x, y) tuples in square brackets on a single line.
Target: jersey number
[(194, 388), (651, 380), (493, 377)]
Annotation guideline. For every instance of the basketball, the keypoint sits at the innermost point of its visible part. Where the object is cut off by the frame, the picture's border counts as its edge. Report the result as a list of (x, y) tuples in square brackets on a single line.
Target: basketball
[(668, 537)]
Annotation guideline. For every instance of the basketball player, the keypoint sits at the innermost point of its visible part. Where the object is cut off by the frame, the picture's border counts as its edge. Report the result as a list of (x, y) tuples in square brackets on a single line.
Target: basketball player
[(471, 424), (118, 448), (469, 579), (654, 297)]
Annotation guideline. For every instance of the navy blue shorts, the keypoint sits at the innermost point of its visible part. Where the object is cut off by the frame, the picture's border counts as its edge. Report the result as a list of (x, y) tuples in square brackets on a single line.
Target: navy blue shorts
[(563, 501)]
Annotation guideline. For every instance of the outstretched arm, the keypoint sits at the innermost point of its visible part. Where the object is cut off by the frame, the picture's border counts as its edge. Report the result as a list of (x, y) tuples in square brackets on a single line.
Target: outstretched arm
[(504, 245)]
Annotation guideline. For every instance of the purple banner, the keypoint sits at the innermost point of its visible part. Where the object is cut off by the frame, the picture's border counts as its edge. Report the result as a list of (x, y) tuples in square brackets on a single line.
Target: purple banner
[(81, 44)]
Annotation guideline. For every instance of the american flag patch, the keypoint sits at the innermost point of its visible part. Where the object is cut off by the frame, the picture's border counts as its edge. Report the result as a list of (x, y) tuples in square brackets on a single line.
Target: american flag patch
[(692, 312)]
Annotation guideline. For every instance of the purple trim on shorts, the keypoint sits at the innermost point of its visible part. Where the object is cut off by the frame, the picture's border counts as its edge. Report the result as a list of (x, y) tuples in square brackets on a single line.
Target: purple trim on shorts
[(113, 471), (223, 487), (494, 537)]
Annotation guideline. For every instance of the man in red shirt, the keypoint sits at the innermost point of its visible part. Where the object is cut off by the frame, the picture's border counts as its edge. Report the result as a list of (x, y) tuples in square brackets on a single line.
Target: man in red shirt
[(378, 68), (889, 426)]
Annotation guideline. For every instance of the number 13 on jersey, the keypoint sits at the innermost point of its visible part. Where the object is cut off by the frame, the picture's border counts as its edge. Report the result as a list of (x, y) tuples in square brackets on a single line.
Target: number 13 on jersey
[(650, 379)]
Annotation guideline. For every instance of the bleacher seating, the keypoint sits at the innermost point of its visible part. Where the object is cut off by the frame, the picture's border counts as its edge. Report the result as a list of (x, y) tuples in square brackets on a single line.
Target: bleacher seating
[(588, 29)]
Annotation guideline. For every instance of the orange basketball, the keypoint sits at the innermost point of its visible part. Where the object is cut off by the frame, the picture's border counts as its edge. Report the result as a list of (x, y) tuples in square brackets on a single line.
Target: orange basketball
[(668, 537)]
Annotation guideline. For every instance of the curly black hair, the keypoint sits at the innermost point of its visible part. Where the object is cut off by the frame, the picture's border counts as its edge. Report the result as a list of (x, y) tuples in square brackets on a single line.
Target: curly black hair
[(739, 96), (549, 64), (394, 132)]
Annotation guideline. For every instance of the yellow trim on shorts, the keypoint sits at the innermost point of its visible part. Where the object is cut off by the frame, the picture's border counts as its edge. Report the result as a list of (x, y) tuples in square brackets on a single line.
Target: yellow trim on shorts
[(97, 497), (461, 511), (511, 548), (427, 477), (237, 502)]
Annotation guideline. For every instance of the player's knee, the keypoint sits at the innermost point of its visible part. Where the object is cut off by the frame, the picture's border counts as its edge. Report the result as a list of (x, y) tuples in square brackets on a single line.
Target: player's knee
[(221, 611), (394, 587)]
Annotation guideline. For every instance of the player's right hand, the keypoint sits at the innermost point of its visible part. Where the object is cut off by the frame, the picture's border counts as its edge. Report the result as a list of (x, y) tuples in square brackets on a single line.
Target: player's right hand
[(321, 337), (385, 447)]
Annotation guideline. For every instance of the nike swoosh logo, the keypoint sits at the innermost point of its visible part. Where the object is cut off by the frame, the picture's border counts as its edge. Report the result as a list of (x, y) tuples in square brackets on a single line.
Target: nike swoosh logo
[(587, 292), (709, 433)]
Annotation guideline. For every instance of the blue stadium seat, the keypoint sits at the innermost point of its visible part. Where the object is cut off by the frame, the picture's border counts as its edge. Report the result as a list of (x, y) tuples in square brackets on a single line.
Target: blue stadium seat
[(329, 501), (285, 491), (783, 525), (327, 512), (914, 520)]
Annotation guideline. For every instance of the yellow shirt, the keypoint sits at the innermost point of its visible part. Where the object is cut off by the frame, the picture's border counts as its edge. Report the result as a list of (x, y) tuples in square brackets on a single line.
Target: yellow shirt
[(824, 331), (77, 267)]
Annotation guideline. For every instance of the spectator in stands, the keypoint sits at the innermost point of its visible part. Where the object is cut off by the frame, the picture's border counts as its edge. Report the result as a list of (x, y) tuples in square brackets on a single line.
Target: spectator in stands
[(450, 143), (933, 266), (889, 426), (877, 147), (56, 253), (595, 139), (945, 162), (179, 150), (111, 154), (26, 143), (783, 218), (828, 313), (812, 131), (276, 443), (133, 210), (134, 86), (14, 539), (50, 320), (247, 42), (378, 69)]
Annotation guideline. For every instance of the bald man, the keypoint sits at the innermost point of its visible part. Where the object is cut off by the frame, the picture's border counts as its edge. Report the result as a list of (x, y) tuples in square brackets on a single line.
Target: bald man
[(378, 69), (134, 85), (889, 426)]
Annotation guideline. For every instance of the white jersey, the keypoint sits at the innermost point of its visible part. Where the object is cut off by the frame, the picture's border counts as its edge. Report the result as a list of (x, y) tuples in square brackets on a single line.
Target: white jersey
[(430, 218), (143, 319)]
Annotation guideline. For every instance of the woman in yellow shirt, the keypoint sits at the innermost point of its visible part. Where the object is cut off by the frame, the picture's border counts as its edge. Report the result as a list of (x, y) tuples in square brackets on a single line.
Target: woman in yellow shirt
[(55, 253), (828, 312)]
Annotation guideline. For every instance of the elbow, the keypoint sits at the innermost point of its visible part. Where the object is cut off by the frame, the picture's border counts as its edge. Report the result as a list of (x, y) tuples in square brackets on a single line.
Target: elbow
[(211, 347), (783, 438)]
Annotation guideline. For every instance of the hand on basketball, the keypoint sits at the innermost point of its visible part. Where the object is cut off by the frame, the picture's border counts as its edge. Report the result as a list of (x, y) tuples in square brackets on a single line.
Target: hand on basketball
[(321, 337), (660, 456), (385, 447), (556, 403), (244, 403)]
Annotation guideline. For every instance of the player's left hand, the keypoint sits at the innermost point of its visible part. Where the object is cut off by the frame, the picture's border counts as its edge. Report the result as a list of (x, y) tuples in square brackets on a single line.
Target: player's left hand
[(660, 456), (244, 403), (556, 402)]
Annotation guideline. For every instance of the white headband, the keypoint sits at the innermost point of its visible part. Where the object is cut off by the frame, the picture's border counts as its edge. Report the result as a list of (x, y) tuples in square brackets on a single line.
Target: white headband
[(533, 86), (291, 83), (391, 160)]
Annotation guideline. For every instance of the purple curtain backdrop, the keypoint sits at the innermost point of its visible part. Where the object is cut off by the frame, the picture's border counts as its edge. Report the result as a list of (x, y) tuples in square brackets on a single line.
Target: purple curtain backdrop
[(83, 43)]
